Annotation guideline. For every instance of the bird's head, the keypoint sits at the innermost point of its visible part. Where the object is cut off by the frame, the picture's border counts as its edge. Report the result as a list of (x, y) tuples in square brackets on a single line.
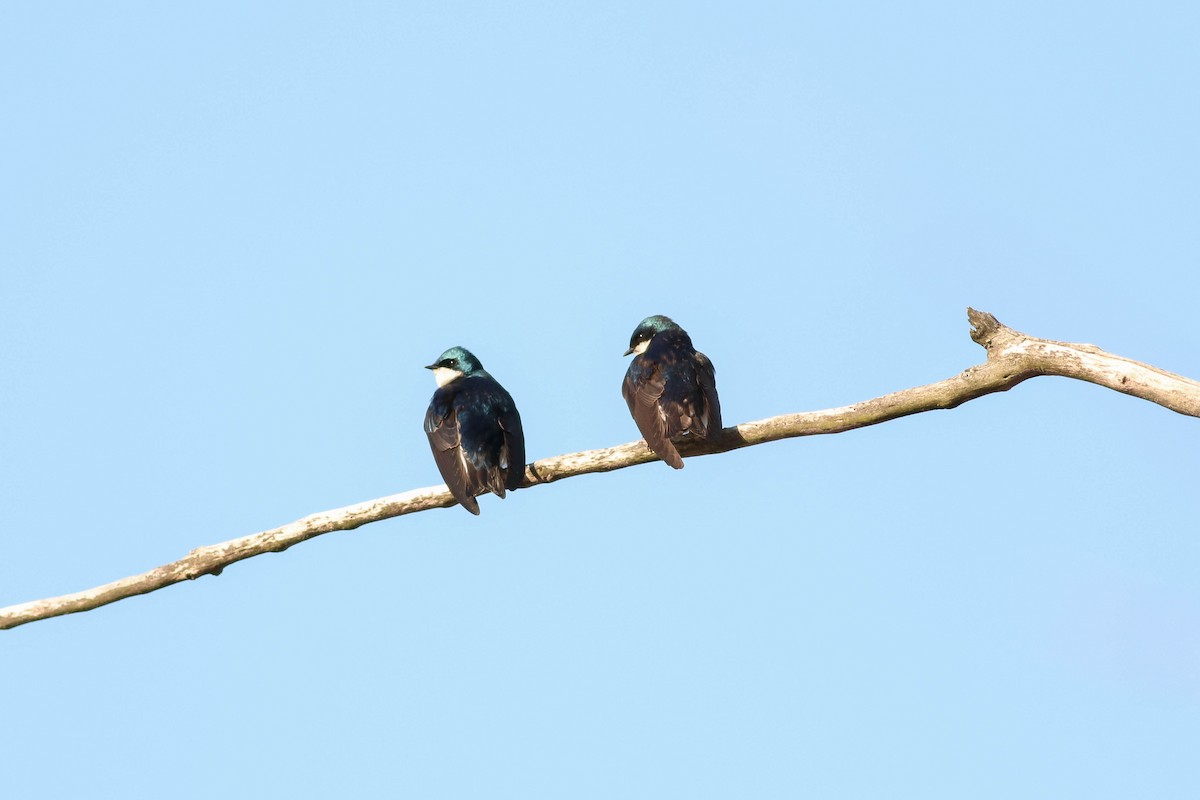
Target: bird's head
[(646, 330), (455, 363)]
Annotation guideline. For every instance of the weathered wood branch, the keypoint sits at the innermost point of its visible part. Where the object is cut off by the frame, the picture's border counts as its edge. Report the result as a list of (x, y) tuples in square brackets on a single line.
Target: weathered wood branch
[(1012, 357)]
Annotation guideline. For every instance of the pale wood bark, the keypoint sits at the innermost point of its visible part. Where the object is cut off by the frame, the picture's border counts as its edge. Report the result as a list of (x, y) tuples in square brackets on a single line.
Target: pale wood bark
[(1012, 357)]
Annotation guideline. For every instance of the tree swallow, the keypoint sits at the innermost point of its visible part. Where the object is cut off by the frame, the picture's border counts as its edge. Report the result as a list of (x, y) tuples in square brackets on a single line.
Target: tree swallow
[(671, 389), (474, 429)]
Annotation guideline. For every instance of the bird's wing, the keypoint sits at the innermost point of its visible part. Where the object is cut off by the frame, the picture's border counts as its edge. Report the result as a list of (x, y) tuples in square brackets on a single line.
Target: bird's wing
[(512, 455), (461, 477), (710, 417), (643, 388)]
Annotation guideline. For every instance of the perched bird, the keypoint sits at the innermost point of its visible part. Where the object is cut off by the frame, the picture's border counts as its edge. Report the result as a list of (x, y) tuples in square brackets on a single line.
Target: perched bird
[(474, 429), (671, 389)]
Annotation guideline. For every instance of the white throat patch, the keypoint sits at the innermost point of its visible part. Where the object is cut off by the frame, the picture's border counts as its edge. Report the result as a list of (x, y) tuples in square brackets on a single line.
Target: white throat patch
[(444, 375), (641, 348)]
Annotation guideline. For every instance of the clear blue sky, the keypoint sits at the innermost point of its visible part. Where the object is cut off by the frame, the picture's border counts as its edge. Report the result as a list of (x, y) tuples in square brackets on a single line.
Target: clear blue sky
[(233, 233)]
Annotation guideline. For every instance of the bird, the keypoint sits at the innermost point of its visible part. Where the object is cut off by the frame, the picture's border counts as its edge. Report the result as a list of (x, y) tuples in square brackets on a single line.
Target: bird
[(671, 389), (474, 429)]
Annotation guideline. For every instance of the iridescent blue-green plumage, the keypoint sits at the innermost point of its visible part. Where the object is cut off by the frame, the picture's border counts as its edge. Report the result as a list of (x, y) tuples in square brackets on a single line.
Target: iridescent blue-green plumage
[(671, 389), (474, 430)]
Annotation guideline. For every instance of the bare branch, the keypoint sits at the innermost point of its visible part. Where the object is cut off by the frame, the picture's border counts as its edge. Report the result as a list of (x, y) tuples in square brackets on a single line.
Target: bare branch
[(1012, 357)]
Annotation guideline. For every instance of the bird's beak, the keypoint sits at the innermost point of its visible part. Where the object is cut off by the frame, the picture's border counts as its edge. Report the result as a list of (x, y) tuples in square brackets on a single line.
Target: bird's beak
[(627, 352), (431, 366)]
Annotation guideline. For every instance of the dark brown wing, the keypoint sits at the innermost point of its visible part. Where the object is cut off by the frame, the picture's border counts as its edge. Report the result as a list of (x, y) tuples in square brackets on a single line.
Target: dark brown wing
[(642, 389), (710, 417), (461, 477), (512, 457)]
